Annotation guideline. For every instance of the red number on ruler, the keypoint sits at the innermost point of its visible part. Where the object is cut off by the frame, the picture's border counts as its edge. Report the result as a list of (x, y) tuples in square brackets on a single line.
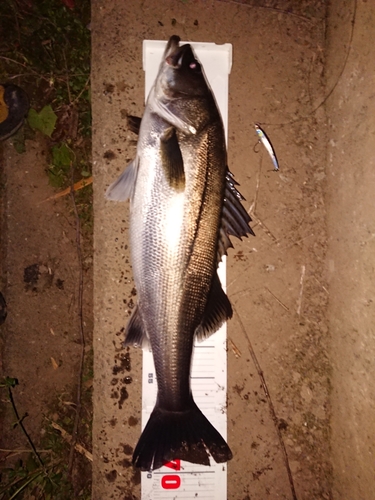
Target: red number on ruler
[(170, 482), (174, 464)]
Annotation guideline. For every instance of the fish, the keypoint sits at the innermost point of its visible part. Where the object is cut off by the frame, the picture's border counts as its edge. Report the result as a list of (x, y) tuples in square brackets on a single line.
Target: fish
[(184, 206), (267, 144)]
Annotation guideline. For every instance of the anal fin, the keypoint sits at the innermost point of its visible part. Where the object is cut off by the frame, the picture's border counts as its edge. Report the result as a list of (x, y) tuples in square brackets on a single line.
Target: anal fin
[(218, 310), (134, 333)]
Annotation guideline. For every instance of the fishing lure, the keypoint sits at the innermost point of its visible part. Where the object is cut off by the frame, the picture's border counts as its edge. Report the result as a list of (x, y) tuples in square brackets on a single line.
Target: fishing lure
[(267, 144)]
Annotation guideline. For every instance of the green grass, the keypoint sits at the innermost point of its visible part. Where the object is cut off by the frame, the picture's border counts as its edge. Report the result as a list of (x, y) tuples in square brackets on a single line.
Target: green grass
[(48, 44), (45, 49), (42, 473)]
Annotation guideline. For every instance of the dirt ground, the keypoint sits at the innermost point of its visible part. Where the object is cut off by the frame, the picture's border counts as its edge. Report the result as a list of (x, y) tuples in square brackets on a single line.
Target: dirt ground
[(40, 339), (293, 286)]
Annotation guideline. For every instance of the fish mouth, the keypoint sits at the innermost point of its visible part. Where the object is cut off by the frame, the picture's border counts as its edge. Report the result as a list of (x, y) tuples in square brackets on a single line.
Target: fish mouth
[(174, 54), (173, 44)]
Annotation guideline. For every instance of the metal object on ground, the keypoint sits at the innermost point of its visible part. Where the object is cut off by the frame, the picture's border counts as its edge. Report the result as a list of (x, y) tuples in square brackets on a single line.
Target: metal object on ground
[(14, 105), (267, 144)]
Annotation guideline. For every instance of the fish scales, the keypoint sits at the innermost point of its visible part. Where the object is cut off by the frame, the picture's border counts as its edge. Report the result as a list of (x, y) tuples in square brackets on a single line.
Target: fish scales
[(177, 246), (180, 189)]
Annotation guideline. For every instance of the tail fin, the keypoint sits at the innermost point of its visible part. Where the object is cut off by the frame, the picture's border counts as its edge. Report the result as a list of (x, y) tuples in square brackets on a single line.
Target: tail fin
[(186, 435)]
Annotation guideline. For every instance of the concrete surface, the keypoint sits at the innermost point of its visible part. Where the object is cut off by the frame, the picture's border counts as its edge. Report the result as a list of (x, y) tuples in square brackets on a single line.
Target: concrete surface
[(351, 255), (315, 357)]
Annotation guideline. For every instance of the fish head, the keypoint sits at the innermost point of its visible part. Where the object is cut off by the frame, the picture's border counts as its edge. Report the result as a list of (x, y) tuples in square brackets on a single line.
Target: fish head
[(181, 95), (181, 74)]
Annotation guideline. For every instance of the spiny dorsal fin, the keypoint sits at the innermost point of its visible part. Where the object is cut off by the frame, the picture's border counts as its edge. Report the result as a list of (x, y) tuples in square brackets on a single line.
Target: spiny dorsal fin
[(172, 161), (235, 220)]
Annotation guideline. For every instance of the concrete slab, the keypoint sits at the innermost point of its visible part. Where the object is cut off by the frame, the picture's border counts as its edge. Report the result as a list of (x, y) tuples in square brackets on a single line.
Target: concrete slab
[(276, 281), (351, 256)]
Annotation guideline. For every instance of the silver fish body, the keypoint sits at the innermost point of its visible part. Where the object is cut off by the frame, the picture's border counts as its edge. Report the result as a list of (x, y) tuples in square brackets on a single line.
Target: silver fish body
[(184, 205)]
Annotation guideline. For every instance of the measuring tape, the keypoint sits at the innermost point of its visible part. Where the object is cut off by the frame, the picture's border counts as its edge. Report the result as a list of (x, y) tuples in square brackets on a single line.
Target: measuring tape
[(179, 479)]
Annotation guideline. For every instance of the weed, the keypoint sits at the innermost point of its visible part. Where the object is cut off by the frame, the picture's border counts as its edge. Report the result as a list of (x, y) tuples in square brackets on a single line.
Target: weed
[(50, 44), (46, 49), (59, 171), (44, 121), (44, 478), (26, 479)]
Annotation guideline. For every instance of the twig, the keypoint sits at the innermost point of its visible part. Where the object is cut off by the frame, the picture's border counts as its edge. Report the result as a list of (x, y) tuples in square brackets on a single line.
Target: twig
[(235, 349), (82, 91), (78, 185), (23, 65), (19, 421), (345, 62), (68, 438), (278, 300), (17, 24), (270, 405), (67, 77), (303, 270), (264, 227), (324, 288), (253, 207), (26, 483), (296, 242), (81, 330), (17, 451)]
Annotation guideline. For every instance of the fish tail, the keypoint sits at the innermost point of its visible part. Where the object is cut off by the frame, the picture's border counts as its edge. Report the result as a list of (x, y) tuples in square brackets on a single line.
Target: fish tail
[(185, 435)]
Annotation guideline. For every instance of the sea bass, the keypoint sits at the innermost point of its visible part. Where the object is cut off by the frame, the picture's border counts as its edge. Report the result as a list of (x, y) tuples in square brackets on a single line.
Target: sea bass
[(183, 206)]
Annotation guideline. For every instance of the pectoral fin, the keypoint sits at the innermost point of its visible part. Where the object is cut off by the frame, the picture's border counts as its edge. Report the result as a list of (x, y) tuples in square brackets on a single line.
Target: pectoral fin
[(164, 112), (172, 161), (122, 188), (134, 123), (218, 310)]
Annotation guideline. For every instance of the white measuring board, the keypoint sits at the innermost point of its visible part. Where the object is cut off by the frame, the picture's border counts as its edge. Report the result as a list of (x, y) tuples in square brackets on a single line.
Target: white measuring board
[(180, 479)]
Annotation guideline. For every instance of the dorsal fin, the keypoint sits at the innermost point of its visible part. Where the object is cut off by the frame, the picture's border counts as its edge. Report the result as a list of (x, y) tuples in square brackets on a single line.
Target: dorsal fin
[(235, 220)]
